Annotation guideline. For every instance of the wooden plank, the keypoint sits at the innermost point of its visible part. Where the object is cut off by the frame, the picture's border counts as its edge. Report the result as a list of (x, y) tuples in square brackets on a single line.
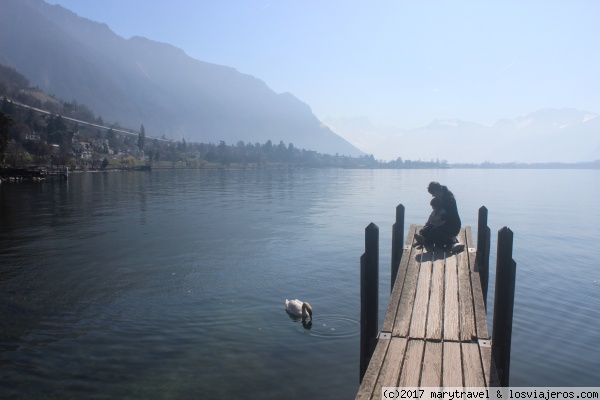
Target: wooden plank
[(465, 299), (480, 311), (467, 238), (368, 383), (407, 297), (392, 309), (411, 371), (432, 365), (421, 306), (452, 365), (390, 370), (451, 311), (472, 368), (435, 320), (485, 350)]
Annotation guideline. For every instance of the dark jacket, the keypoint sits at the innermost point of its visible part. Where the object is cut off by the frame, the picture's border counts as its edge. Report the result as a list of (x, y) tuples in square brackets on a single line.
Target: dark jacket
[(452, 225)]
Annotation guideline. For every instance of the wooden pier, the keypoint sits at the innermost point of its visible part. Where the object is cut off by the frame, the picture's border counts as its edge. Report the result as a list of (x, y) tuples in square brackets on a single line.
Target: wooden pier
[(435, 330)]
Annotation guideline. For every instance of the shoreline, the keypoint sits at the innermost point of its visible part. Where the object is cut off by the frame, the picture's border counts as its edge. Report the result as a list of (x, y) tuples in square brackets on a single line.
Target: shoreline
[(42, 173)]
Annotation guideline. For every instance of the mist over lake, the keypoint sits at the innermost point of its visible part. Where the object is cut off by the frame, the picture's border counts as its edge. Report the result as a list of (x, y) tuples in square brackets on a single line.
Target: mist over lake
[(171, 284)]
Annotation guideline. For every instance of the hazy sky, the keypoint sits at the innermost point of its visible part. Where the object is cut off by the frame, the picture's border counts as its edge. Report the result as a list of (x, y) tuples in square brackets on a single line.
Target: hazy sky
[(399, 63)]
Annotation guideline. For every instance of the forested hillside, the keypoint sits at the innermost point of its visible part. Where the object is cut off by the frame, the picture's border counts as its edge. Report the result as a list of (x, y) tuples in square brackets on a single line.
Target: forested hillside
[(39, 129)]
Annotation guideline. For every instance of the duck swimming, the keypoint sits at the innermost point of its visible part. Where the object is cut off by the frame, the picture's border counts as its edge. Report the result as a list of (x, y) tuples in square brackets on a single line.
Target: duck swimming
[(298, 308)]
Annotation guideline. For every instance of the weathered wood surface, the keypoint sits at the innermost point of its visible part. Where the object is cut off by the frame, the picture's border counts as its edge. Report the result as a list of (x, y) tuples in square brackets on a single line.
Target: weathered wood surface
[(435, 326)]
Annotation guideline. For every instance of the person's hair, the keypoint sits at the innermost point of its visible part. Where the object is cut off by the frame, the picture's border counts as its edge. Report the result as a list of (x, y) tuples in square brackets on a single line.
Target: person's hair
[(436, 202), (436, 186)]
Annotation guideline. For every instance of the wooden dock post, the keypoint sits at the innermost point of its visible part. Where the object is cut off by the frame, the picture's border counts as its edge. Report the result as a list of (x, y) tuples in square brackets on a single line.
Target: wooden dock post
[(483, 252), (397, 243), (506, 269), (369, 296)]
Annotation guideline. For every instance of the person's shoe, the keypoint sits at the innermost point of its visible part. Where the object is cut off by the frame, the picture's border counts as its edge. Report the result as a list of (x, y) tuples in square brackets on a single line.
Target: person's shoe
[(419, 239), (457, 248)]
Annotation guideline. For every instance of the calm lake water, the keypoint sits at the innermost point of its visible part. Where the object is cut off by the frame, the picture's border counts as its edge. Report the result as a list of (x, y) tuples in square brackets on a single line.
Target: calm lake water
[(171, 284)]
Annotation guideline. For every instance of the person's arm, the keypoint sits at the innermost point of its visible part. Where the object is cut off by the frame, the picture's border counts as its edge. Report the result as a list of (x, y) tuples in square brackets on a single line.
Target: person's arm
[(439, 218)]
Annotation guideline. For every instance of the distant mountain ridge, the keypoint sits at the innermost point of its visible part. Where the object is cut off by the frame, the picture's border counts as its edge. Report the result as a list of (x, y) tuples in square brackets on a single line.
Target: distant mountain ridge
[(139, 81), (547, 135)]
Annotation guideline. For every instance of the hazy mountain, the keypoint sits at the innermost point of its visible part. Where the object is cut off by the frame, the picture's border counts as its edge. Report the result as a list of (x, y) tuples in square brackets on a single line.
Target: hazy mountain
[(361, 132), (137, 80), (561, 135)]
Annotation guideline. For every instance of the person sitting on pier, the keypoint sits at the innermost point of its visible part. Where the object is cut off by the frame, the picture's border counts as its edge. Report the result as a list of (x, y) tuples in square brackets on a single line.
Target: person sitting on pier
[(445, 234), (436, 218)]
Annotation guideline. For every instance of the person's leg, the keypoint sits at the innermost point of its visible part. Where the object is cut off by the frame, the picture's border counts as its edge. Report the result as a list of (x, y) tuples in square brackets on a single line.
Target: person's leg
[(439, 237)]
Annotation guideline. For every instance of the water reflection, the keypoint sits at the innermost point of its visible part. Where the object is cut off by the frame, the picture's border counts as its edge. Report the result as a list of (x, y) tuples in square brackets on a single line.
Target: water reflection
[(307, 324)]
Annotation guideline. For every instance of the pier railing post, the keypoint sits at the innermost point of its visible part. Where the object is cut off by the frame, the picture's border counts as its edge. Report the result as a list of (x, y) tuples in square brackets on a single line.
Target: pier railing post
[(483, 252), (369, 296), (397, 243), (503, 305)]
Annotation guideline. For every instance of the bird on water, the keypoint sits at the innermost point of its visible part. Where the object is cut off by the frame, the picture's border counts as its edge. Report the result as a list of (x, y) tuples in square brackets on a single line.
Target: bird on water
[(298, 308)]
